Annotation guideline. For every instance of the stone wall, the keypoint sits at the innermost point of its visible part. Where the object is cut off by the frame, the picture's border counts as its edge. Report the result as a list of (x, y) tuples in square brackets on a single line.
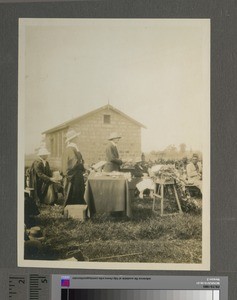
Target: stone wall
[(95, 133)]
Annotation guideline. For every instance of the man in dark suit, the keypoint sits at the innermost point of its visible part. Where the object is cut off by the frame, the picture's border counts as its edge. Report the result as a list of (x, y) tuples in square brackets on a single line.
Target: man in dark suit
[(112, 156)]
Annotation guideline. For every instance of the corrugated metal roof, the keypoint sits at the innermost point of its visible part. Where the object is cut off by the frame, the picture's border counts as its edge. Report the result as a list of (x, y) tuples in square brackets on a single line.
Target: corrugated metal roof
[(109, 107)]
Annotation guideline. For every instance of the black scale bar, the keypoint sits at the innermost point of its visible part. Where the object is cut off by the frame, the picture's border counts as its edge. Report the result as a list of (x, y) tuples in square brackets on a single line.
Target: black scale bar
[(39, 287), (34, 287)]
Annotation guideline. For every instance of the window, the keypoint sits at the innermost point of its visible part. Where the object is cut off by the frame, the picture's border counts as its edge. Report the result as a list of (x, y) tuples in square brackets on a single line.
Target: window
[(107, 119)]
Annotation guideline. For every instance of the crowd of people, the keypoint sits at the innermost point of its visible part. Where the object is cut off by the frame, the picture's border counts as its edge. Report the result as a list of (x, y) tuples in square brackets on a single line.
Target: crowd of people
[(72, 183), (43, 185), (46, 186)]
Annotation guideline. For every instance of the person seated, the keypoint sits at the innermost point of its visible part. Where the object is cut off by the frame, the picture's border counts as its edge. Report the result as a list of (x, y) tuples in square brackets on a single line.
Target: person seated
[(139, 168), (194, 172), (33, 243), (30, 210), (181, 170)]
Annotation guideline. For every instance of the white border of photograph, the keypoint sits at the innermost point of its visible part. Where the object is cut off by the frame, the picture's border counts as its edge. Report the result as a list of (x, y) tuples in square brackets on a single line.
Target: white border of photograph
[(205, 124)]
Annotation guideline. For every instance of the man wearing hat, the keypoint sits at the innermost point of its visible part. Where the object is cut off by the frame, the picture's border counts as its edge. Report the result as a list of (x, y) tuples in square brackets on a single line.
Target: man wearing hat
[(113, 162), (73, 170), (41, 178), (194, 172), (140, 167), (32, 245)]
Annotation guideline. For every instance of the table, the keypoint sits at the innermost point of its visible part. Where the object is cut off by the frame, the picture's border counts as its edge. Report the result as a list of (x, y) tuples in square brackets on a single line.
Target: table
[(106, 193), (160, 185)]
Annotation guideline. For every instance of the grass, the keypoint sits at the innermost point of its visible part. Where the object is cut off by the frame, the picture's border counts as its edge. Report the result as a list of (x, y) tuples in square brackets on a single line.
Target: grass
[(146, 237)]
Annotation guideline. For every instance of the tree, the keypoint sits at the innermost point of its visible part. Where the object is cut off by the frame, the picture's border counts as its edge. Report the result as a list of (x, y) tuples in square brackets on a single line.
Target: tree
[(182, 149), (171, 152)]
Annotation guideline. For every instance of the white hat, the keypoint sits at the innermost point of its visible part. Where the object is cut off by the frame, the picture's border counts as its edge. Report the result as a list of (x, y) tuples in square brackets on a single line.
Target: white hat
[(113, 136), (43, 151), (71, 134), (137, 159)]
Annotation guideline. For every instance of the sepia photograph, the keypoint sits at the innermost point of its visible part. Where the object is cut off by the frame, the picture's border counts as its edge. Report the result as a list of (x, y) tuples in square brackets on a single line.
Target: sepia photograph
[(114, 144)]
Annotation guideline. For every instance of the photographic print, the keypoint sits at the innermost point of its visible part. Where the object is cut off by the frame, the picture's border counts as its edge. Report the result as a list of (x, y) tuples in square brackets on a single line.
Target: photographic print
[(114, 144)]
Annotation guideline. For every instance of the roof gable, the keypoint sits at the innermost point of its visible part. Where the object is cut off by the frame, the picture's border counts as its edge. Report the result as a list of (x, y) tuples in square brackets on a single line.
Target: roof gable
[(109, 107)]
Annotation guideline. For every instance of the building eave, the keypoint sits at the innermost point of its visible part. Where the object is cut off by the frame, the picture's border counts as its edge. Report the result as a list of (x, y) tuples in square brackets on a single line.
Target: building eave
[(109, 107)]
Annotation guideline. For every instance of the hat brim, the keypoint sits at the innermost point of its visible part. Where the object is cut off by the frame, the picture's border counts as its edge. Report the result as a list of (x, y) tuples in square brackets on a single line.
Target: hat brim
[(44, 153), (72, 137), (114, 138), (36, 238)]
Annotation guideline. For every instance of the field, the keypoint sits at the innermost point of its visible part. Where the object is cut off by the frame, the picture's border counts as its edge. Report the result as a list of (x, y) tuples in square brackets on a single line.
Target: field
[(146, 237)]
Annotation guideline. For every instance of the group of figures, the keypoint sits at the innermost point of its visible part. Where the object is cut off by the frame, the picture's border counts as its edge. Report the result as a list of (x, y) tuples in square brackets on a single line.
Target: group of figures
[(72, 182), (186, 175), (45, 185)]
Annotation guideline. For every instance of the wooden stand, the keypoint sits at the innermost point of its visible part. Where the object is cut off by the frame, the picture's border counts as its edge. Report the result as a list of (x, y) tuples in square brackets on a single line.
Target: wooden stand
[(159, 194)]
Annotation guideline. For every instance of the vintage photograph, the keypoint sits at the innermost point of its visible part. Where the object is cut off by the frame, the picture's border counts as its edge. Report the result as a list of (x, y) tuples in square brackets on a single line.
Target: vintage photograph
[(114, 144)]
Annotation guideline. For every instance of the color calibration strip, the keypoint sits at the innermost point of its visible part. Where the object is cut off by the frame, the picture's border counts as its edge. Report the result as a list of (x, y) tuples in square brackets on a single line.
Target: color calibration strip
[(117, 294)]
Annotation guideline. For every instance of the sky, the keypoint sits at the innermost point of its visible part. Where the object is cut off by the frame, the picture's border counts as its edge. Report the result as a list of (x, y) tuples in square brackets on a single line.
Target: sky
[(154, 70)]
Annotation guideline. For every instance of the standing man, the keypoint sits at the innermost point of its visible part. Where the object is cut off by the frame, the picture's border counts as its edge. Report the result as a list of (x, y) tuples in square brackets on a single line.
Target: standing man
[(112, 156), (194, 172), (73, 170)]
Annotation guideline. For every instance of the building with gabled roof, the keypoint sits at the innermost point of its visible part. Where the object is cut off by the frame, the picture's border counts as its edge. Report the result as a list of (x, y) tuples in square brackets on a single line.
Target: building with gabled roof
[(95, 128)]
